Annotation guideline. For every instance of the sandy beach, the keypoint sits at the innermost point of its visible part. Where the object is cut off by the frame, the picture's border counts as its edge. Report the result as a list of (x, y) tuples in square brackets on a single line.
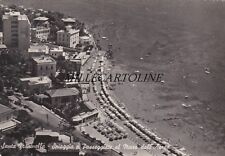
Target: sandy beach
[(181, 39)]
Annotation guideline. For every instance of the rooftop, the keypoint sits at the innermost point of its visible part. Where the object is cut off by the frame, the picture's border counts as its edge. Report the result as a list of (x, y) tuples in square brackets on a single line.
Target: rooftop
[(68, 20), (56, 49), (81, 55), (4, 109), (85, 37), (38, 48), (37, 80), (43, 59), (73, 31), (41, 19), (15, 14), (64, 138), (7, 125), (48, 133), (12, 13), (90, 105), (2, 46), (84, 115), (69, 31), (22, 17), (62, 92)]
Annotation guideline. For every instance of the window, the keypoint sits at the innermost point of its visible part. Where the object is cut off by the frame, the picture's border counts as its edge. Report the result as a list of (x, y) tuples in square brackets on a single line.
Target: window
[(14, 22), (15, 35)]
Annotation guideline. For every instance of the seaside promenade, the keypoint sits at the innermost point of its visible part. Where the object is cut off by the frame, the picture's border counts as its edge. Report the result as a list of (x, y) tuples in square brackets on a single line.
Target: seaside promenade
[(140, 141)]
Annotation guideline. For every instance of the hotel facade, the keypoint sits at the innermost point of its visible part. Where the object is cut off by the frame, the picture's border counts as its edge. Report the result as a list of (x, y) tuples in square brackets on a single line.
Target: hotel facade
[(40, 29), (68, 37)]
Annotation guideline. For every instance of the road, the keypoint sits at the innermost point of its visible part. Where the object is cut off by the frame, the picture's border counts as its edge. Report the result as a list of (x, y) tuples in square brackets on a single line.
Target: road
[(138, 135), (132, 141)]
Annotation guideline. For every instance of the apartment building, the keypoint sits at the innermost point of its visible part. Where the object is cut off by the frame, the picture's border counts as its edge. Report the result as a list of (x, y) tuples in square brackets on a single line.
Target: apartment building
[(16, 30), (40, 29), (43, 66), (68, 37)]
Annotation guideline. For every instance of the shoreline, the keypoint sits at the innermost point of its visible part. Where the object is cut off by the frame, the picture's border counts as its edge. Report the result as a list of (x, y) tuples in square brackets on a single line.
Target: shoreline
[(156, 111), (178, 125), (176, 130), (178, 133)]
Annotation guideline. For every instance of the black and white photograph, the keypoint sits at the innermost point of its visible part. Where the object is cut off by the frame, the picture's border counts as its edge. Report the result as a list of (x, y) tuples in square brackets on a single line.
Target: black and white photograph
[(112, 77)]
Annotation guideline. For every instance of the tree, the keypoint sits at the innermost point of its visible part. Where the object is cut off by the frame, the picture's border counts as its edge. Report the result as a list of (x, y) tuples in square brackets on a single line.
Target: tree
[(1, 85)]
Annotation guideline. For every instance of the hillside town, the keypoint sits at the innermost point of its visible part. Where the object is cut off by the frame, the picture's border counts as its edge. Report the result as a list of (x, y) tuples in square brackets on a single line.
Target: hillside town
[(44, 113)]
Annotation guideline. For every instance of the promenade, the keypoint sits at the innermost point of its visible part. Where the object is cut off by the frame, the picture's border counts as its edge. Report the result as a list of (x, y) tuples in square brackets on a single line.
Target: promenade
[(99, 95)]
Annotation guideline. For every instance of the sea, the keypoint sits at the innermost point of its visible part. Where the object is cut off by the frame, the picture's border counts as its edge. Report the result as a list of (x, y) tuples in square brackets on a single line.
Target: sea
[(184, 40)]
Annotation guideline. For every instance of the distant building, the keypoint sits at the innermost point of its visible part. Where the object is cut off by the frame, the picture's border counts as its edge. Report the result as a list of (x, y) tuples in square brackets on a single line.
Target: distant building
[(76, 65), (40, 29), (68, 37), (7, 121), (41, 33), (43, 66), (63, 96), (90, 106), (85, 40), (56, 52), (85, 86), (5, 113), (69, 21), (3, 49), (55, 144), (16, 30), (85, 117), (39, 21), (1, 38), (48, 136), (82, 57), (33, 85), (38, 50), (40, 98)]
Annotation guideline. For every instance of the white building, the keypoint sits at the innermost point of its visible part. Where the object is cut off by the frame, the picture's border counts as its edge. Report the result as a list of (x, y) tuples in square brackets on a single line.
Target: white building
[(36, 84), (69, 21), (56, 52), (16, 30), (68, 37), (83, 57), (41, 33), (41, 29), (57, 137), (85, 39), (7, 120), (43, 66), (38, 50)]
